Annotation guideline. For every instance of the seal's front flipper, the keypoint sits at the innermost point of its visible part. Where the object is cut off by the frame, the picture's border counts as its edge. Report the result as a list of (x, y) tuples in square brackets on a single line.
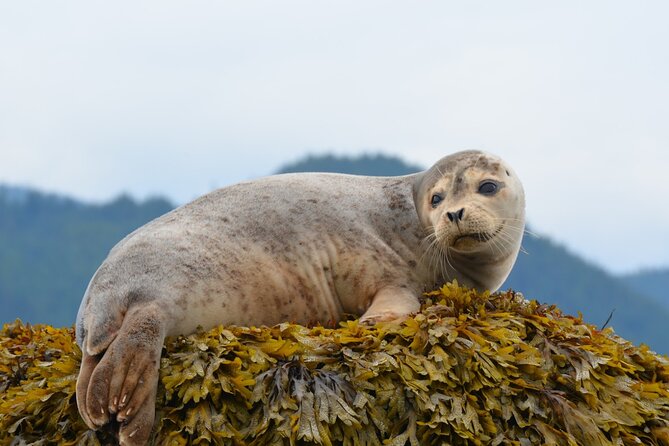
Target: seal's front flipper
[(391, 303)]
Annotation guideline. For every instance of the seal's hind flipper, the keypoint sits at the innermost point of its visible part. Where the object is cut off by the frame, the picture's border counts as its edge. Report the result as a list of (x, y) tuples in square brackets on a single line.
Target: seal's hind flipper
[(95, 333), (123, 384), (88, 364), (101, 331)]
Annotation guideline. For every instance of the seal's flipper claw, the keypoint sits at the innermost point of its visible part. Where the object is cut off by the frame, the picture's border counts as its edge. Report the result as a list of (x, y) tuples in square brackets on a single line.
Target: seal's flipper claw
[(139, 385), (137, 430), (97, 394), (125, 365)]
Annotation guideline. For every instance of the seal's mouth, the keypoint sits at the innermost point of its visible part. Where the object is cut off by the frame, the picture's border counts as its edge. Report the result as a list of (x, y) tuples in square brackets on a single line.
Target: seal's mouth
[(478, 236)]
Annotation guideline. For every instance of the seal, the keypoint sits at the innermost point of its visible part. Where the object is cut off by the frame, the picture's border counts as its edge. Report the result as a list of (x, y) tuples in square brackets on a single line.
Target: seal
[(307, 248)]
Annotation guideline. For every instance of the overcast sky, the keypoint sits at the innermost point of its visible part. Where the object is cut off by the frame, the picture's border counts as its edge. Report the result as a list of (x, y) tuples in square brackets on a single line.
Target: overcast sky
[(176, 98)]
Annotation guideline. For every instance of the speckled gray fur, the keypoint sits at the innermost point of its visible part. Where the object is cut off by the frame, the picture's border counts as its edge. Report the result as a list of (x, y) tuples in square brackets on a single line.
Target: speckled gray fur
[(304, 248)]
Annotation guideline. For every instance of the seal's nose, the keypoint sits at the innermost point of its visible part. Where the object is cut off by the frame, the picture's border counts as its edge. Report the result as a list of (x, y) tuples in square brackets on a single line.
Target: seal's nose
[(456, 216)]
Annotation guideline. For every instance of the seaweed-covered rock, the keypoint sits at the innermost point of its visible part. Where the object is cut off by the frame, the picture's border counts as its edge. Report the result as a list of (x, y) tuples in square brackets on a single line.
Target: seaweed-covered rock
[(469, 369)]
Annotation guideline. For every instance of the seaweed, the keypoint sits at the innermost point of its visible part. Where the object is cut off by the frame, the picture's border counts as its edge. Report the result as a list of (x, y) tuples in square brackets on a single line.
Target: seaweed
[(469, 369)]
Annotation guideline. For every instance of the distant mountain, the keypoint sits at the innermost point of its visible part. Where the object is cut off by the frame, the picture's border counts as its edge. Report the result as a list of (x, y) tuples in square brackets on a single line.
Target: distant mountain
[(13, 194), (50, 246), (374, 165), (653, 283), (551, 274)]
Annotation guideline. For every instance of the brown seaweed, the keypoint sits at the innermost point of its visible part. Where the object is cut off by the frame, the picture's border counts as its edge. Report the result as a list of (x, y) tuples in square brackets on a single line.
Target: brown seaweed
[(469, 369)]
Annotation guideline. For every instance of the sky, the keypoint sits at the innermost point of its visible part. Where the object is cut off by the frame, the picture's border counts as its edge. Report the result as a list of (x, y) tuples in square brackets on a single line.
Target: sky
[(177, 98)]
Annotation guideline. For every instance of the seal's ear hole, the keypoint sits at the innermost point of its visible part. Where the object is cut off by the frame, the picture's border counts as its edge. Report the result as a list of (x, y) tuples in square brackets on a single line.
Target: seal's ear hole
[(507, 173)]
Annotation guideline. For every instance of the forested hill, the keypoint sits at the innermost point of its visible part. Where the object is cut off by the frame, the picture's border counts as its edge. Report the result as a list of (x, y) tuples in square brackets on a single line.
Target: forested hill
[(374, 165), (50, 246), (652, 282), (550, 273)]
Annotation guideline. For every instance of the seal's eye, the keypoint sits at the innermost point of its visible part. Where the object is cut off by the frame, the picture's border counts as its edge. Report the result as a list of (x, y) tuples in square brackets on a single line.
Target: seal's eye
[(436, 199), (488, 188)]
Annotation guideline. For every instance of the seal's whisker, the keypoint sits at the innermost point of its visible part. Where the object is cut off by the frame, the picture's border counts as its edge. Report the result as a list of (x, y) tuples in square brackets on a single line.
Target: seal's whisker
[(449, 262), (493, 247), (427, 246), (525, 231), (522, 226), (507, 218), (438, 260), (443, 260), (510, 241), (533, 234), (506, 238), (433, 256), (510, 223), (501, 244), (520, 229), (477, 160)]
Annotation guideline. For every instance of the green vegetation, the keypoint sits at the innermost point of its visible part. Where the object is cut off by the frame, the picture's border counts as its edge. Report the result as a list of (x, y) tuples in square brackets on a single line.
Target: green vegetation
[(469, 369)]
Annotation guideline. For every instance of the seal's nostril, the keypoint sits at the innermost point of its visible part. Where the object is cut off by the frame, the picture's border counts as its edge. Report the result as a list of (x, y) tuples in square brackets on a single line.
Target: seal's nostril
[(456, 216)]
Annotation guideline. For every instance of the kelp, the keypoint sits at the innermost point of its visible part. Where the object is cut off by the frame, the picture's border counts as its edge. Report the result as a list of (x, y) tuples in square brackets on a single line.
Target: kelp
[(469, 369)]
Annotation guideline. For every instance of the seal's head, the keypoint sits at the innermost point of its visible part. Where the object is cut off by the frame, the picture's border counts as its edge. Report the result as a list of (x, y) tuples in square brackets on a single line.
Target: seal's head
[(472, 205)]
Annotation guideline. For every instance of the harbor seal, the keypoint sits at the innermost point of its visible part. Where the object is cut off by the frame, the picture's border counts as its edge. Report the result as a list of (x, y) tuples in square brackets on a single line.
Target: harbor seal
[(306, 248)]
